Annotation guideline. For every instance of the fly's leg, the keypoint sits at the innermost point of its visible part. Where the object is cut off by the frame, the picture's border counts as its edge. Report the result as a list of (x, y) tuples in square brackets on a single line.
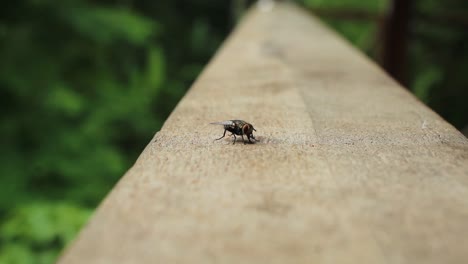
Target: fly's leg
[(252, 136), (222, 136), (243, 140), (234, 139)]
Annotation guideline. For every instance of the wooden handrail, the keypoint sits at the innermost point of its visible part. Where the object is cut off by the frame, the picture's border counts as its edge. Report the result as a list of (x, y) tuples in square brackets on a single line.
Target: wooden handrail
[(349, 167)]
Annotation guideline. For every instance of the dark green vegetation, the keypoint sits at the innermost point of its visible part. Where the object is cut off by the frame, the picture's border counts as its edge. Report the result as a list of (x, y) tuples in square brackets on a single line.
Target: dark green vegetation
[(84, 86)]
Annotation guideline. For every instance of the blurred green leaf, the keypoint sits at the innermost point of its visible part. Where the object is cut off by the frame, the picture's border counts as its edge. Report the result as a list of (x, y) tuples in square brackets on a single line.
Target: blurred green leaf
[(17, 254), (106, 25), (424, 82), (65, 100), (44, 222), (155, 70), (32, 229)]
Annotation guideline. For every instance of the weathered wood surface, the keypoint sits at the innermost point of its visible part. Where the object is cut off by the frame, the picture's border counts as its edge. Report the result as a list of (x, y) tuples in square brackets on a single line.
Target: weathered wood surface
[(350, 167)]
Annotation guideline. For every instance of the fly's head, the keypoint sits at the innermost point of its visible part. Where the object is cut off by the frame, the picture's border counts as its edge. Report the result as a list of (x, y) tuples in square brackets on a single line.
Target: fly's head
[(248, 129)]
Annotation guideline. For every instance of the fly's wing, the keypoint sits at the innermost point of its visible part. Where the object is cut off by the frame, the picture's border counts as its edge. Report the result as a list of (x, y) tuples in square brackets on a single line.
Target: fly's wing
[(223, 123), (239, 123)]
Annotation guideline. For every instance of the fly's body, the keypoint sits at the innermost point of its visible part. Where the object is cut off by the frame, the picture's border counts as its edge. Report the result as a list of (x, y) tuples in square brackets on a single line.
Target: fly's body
[(237, 127)]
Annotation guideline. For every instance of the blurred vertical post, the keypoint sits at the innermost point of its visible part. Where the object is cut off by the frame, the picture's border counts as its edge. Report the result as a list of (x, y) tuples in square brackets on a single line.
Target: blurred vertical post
[(395, 41)]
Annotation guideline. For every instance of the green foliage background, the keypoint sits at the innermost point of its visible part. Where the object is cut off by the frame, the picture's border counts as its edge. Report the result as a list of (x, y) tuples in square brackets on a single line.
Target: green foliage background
[(84, 85)]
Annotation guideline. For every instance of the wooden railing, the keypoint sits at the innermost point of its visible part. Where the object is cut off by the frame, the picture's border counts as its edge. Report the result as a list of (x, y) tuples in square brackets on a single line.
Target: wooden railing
[(349, 166)]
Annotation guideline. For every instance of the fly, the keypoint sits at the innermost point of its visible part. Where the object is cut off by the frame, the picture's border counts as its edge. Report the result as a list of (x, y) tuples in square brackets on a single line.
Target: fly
[(237, 127)]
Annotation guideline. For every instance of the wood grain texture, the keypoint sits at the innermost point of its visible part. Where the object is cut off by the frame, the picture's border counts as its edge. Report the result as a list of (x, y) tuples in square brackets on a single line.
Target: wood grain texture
[(350, 167)]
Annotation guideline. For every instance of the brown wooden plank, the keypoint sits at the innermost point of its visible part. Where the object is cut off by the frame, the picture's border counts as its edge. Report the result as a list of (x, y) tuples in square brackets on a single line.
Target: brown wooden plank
[(350, 167)]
